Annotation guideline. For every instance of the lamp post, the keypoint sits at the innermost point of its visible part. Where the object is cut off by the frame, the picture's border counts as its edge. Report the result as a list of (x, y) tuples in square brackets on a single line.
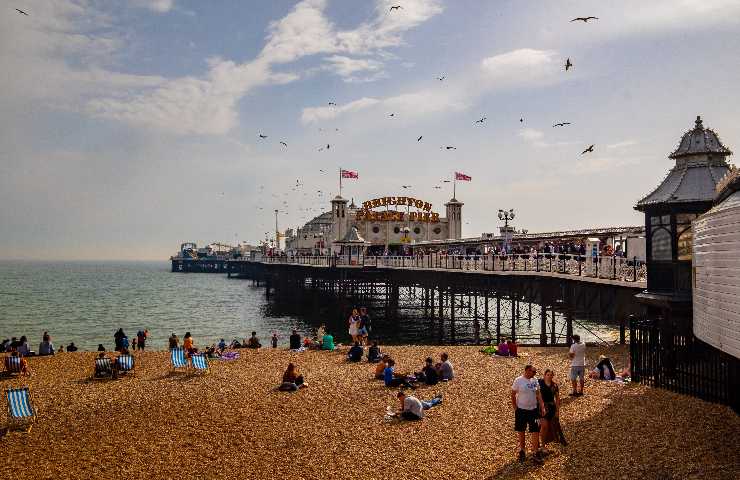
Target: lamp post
[(505, 216)]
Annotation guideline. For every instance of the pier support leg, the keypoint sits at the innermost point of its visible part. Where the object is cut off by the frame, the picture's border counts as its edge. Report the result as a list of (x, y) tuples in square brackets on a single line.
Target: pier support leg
[(543, 324)]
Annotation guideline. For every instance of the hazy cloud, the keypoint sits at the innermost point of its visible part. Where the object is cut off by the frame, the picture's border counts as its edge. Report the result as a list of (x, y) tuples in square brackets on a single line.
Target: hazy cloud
[(160, 6)]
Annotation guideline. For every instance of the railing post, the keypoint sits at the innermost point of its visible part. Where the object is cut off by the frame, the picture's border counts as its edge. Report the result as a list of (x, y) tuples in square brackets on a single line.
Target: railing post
[(634, 267), (614, 268), (537, 262), (596, 265)]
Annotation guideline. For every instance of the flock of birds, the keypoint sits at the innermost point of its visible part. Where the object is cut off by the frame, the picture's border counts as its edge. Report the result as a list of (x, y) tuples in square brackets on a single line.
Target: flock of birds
[(318, 206)]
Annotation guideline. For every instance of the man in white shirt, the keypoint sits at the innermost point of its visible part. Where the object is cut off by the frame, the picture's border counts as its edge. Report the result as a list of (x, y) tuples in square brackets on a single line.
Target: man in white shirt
[(528, 408), (412, 408), (577, 357)]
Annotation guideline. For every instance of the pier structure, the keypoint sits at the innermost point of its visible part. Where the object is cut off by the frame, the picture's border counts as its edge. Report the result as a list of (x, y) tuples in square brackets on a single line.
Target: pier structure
[(473, 300)]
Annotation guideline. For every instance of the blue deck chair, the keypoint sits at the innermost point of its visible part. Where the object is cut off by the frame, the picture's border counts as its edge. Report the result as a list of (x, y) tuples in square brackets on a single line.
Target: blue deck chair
[(103, 368), (12, 365), (21, 414), (177, 356), (199, 362), (125, 364)]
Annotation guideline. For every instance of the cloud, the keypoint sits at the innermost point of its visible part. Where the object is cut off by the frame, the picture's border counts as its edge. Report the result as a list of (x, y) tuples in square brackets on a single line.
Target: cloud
[(530, 134), (316, 114), (626, 143), (522, 67), (207, 105), (347, 67), (160, 6)]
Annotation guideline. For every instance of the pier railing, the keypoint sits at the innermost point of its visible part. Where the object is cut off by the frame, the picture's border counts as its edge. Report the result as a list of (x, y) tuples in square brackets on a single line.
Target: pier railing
[(604, 267)]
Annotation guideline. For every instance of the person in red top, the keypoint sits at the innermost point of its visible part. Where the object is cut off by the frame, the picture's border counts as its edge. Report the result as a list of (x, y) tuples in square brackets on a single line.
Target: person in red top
[(512, 347)]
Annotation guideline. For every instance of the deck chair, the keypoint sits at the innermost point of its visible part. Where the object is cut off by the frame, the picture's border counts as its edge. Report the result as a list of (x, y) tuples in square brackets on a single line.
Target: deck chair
[(12, 365), (177, 356), (103, 368), (199, 362), (125, 364), (21, 414)]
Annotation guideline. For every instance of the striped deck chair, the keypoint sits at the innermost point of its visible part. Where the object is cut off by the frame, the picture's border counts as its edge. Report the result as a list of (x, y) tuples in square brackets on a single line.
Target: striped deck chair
[(199, 362), (21, 414), (177, 356), (103, 368), (125, 364), (12, 365)]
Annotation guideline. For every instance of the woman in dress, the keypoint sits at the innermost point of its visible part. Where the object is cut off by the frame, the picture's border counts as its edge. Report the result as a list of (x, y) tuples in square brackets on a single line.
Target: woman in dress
[(550, 423), (354, 325)]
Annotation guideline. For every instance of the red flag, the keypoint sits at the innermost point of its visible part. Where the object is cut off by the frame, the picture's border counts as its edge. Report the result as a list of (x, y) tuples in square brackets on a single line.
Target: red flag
[(350, 174), (463, 177)]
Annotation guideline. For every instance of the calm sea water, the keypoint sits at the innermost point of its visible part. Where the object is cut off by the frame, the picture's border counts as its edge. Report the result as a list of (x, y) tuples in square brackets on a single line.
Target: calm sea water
[(86, 302)]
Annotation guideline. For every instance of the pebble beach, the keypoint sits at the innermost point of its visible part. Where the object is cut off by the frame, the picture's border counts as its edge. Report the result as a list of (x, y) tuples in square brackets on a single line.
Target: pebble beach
[(233, 423)]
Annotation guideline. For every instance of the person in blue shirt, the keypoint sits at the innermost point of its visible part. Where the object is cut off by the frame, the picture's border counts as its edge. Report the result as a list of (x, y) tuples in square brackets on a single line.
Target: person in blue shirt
[(392, 379), (222, 345)]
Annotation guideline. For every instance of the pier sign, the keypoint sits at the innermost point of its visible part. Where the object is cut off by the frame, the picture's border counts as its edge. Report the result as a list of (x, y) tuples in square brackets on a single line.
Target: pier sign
[(424, 211)]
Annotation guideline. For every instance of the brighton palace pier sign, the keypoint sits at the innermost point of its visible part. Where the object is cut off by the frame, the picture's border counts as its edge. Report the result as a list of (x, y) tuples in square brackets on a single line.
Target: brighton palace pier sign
[(424, 213)]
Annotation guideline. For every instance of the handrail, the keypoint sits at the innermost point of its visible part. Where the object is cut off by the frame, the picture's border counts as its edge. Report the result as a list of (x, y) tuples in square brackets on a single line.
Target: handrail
[(604, 267)]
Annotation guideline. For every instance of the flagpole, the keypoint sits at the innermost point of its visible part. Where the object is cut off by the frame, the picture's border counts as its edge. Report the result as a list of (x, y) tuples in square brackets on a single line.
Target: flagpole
[(340, 181), (454, 186)]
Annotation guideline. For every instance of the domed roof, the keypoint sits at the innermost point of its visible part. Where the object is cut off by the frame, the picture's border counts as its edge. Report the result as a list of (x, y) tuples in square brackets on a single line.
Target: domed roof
[(695, 175), (699, 140)]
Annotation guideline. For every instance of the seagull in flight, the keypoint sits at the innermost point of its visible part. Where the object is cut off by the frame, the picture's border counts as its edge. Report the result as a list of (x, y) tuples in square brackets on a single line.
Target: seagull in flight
[(437, 187), (441, 78), (584, 19), (449, 148), (322, 171), (21, 11), (483, 119), (420, 137), (568, 65), (283, 144), (262, 136), (332, 104), (589, 149), (405, 186), (445, 181), (561, 124), (396, 7), (392, 115)]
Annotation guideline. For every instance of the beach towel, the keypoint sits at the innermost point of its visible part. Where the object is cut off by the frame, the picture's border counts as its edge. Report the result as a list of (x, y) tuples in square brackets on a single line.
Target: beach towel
[(230, 356)]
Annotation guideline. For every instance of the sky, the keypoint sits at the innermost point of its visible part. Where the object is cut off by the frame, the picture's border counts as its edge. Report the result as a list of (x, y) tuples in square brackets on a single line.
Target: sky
[(129, 127)]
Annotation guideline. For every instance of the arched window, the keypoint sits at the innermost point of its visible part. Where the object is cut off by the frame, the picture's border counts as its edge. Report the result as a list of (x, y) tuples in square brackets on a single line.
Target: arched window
[(661, 244)]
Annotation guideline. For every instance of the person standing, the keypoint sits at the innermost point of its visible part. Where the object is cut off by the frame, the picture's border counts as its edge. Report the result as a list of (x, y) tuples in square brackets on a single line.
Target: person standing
[(295, 340), (577, 355), (274, 340), (528, 406), (550, 423), (141, 340), (354, 325), (174, 341), (365, 326)]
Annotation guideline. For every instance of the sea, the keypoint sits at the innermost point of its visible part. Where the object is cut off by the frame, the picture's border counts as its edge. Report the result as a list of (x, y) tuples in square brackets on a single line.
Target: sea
[(85, 302)]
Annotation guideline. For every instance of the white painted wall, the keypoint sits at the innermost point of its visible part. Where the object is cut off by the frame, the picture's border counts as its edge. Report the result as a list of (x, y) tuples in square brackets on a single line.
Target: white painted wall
[(716, 288)]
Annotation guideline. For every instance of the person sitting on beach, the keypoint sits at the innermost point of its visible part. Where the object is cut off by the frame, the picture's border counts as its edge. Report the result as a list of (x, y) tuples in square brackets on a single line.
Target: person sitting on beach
[(412, 408), (373, 353), (46, 348), (188, 344), (174, 341), (513, 347), (292, 380), (320, 332), (604, 370), (355, 353), (101, 348), (60, 349), (380, 368), (4, 345), (22, 347), (71, 347), (327, 342), (253, 341), (235, 344), (295, 340), (444, 369), (503, 348), (428, 373), (222, 345), (393, 379)]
